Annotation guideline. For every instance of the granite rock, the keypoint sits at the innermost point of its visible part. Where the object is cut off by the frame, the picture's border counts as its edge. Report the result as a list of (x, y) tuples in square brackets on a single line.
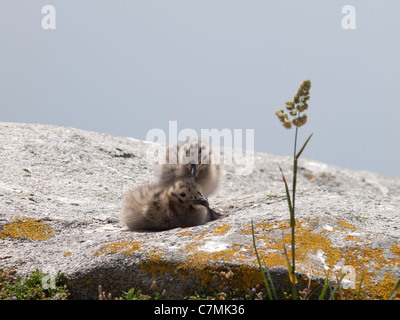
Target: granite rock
[(60, 201)]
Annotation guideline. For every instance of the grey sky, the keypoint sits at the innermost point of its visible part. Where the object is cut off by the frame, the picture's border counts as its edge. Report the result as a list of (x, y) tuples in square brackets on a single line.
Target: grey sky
[(125, 67)]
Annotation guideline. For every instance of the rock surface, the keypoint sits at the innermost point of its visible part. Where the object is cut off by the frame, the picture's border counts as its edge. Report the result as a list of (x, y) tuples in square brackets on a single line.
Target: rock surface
[(60, 195)]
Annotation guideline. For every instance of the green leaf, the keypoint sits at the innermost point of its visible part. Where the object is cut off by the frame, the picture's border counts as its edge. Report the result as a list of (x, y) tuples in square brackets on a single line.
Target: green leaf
[(270, 281), (292, 222), (259, 263), (326, 285), (302, 148), (394, 290), (337, 286), (359, 286)]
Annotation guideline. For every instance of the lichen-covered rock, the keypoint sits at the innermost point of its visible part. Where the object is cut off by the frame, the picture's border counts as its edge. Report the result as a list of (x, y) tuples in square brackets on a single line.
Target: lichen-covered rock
[(60, 194)]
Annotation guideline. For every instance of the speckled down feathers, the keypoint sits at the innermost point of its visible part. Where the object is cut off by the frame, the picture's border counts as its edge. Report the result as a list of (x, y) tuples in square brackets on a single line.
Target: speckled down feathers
[(180, 159), (157, 208)]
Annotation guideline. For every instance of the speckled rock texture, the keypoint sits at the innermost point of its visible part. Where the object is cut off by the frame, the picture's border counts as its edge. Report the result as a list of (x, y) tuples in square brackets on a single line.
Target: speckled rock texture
[(60, 201)]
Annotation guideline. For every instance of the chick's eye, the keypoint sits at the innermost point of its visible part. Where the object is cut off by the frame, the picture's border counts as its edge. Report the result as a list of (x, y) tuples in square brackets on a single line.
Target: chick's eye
[(183, 194)]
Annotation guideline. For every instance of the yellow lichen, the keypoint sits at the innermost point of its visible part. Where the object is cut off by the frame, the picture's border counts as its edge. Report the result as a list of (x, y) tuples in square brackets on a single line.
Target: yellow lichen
[(346, 225), (261, 227), (270, 238), (186, 233), (374, 288), (67, 254), (371, 261), (221, 229), (352, 238), (245, 277), (123, 247), (156, 265), (396, 250), (27, 228), (307, 243), (197, 265)]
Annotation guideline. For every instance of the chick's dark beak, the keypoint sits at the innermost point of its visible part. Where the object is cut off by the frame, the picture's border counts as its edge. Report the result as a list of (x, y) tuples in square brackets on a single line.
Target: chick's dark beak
[(203, 201), (193, 170)]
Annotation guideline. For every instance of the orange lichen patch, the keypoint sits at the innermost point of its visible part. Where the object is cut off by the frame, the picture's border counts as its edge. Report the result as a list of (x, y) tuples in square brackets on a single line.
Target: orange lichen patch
[(396, 250), (380, 289), (221, 229), (186, 233), (371, 261), (233, 253), (365, 257), (307, 242), (246, 277), (311, 246), (310, 176), (27, 228), (263, 226), (346, 225), (352, 238), (156, 265), (374, 288), (198, 257), (197, 265), (124, 247)]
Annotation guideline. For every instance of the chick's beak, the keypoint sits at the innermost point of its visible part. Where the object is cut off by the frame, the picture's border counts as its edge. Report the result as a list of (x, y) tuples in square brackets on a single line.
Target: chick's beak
[(193, 170), (203, 201)]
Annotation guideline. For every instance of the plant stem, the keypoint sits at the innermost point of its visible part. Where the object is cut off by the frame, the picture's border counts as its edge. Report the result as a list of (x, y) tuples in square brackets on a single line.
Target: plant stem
[(291, 202), (292, 220), (394, 290), (259, 264)]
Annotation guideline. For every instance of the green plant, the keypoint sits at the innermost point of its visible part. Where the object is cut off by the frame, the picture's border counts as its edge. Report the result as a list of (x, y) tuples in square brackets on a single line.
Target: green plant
[(269, 287), (296, 110), (138, 295), (394, 290), (132, 294), (32, 287)]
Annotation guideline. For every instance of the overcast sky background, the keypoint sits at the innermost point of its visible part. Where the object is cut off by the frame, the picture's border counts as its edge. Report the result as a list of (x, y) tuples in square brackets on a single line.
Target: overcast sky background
[(126, 67)]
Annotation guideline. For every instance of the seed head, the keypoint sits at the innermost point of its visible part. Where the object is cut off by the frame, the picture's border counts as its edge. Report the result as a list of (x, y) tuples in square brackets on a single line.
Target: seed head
[(287, 124), (300, 121), (283, 117), (289, 105), (295, 107)]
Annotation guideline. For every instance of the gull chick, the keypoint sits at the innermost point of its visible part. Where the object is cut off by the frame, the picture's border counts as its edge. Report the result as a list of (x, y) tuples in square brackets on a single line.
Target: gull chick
[(192, 159), (157, 207)]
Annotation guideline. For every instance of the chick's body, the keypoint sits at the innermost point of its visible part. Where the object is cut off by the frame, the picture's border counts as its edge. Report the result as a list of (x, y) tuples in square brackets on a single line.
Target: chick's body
[(193, 159), (157, 207)]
